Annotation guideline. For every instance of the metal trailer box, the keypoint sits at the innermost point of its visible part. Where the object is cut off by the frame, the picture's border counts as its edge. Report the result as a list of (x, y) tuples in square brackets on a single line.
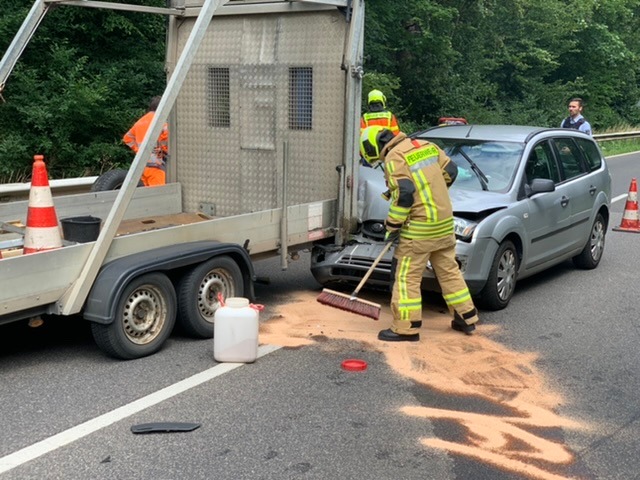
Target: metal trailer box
[(263, 108)]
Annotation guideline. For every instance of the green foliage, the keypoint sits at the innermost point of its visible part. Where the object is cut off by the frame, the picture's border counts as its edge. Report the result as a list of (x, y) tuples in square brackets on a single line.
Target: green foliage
[(78, 87), (507, 61), (88, 73)]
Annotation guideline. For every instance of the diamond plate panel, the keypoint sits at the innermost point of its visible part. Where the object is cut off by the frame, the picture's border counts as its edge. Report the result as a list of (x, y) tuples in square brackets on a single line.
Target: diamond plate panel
[(235, 161)]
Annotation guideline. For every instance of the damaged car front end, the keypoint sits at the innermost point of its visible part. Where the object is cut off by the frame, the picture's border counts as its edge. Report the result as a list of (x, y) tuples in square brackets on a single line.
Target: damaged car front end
[(525, 199)]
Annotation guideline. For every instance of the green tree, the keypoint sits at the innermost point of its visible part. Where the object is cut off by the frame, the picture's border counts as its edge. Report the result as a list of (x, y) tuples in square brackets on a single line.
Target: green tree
[(82, 80), (507, 61)]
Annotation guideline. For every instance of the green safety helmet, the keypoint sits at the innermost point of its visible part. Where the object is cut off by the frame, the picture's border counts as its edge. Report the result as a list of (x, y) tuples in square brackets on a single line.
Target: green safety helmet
[(376, 96), (372, 141)]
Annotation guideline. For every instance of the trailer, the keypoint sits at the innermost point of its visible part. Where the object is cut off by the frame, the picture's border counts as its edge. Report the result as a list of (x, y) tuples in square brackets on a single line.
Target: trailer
[(263, 104)]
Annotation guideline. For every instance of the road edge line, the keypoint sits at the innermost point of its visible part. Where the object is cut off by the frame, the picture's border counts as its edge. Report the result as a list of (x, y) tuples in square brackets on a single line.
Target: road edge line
[(26, 454)]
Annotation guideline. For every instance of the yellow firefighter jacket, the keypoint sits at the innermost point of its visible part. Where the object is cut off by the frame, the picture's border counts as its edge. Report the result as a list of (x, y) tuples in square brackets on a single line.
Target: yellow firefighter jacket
[(418, 175)]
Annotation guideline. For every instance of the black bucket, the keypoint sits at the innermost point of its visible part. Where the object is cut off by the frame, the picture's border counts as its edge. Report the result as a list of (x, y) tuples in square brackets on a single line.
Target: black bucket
[(81, 229)]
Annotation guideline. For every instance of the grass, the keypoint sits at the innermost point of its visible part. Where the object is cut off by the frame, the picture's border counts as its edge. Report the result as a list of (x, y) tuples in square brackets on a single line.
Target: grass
[(617, 147)]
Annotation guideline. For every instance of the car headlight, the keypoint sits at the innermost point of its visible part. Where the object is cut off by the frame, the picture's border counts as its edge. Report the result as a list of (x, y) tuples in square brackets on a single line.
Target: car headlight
[(464, 228)]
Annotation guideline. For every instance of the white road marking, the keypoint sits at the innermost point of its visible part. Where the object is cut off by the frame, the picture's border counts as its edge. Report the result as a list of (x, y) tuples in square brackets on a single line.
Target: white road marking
[(619, 197), (61, 439)]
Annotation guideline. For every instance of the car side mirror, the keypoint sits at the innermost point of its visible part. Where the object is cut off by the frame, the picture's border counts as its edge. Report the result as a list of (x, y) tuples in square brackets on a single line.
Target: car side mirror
[(540, 185)]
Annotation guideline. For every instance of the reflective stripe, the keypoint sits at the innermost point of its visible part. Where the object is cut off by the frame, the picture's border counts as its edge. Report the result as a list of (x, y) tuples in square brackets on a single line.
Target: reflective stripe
[(410, 304), (402, 284), (424, 190), (405, 310), (378, 116), (418, 230), (130, 142), (398, 212), (417, 161), (390, 168), (423, 164), (458, 297)]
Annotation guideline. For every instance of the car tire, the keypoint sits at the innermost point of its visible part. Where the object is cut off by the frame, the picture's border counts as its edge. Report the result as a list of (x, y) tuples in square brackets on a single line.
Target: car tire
[(590, 256), (198, 290), (145, 316), (501, 282), (111, 180)]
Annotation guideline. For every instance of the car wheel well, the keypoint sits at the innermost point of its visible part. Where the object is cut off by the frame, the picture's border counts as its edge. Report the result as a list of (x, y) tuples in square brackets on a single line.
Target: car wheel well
[(517, 242), (604, 211)]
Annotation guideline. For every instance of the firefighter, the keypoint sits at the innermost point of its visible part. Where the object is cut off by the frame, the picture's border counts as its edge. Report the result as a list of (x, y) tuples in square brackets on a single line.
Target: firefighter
[(155, 170), (378, 113), (420, 218)]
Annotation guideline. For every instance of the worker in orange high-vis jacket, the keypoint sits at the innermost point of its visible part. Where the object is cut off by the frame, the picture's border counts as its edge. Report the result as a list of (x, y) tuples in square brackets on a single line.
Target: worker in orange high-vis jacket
[(418, 174), (155, 171), (378, 113)]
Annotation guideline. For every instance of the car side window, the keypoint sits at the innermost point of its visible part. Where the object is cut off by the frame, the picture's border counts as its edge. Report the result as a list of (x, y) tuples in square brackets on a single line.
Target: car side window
[(591, 153), (541, 164), (570, 157)]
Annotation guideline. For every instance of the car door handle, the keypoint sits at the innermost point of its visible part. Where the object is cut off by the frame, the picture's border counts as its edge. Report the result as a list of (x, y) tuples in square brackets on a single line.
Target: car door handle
[(564, 201), (592, 190)]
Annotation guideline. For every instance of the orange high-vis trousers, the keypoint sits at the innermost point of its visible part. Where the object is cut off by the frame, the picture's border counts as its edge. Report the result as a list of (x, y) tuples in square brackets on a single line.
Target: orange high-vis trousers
[(152, 176)]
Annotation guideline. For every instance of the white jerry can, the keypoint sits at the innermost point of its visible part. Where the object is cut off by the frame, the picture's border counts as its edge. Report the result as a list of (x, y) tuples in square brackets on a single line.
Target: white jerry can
[(235, 331)]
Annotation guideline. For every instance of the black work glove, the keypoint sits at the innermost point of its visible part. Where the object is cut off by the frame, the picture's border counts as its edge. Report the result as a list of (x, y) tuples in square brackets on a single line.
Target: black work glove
[(392, 236)]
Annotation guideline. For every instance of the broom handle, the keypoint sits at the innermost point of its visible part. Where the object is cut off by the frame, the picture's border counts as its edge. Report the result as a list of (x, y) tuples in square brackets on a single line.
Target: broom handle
[(372, 268)]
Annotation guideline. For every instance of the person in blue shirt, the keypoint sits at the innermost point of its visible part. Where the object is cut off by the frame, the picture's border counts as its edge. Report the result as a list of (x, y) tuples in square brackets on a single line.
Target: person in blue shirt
[(575, 119)]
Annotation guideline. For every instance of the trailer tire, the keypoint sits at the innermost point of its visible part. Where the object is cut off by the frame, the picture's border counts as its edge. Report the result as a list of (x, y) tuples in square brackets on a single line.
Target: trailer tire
[(111, 180), (198, 294), (145, 317)]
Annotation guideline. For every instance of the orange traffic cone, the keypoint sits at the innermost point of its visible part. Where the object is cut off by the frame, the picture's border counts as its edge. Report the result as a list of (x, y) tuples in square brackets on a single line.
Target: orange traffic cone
[(42, 231), (630, 219)]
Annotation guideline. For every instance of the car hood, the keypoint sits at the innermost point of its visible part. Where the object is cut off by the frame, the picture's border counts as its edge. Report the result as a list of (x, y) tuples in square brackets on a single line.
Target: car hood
[(477, 201), (371, 185), (371, 206)]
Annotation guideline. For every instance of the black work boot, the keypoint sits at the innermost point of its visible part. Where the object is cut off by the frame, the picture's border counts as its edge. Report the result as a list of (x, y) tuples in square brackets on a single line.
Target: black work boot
[(459, 325), (390, 336)]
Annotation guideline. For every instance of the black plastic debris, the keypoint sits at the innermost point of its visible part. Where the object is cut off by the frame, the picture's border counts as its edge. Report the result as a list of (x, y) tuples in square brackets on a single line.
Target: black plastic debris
[(164, 427)]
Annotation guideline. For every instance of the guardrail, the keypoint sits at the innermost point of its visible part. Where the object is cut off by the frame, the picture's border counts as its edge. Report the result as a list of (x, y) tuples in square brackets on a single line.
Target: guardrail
[(604, 137), (10, 192), (20, 191)]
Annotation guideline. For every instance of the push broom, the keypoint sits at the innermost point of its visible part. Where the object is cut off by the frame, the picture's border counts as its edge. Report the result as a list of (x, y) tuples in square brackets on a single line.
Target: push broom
[(351, 303)]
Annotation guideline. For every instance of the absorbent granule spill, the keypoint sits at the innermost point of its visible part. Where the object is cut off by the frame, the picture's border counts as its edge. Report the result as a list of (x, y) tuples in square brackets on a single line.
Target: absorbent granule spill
[(454, 364)]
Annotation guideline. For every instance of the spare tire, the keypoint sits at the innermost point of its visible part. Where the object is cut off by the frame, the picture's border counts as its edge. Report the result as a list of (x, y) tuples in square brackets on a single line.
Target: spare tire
[(111, 180)]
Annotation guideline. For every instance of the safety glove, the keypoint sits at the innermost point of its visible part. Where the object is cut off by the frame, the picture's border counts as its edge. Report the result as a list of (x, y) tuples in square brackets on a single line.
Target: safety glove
[(392, 235)]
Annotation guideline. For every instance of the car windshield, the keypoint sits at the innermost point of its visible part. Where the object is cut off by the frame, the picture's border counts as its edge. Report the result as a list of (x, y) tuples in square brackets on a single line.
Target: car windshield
[(482, 165)]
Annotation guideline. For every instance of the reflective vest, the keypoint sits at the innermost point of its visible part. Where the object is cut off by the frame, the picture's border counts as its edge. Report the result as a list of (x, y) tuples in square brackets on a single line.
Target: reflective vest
[(418, 174), (134, 137), (383, 118)]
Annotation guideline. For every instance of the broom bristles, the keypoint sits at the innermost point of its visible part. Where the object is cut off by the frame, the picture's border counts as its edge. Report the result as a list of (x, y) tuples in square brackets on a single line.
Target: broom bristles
[(349, 303)]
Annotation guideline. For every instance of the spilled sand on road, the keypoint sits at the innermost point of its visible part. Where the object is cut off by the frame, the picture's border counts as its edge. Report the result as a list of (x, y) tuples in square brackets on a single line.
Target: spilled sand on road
[(455, 364)]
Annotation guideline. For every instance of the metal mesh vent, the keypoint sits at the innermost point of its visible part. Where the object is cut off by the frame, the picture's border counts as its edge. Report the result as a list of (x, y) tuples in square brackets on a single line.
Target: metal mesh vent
[(218, 97), (300, 98)]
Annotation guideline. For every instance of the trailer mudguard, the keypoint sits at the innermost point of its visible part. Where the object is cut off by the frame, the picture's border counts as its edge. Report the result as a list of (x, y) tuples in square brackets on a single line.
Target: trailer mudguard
[(114, 276)]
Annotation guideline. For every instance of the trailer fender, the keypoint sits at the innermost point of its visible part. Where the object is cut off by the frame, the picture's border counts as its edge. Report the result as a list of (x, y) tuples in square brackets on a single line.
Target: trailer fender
[(114, 276)]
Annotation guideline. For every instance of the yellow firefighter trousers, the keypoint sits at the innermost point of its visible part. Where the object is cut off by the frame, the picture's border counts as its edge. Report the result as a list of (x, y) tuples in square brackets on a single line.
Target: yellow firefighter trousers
[(412, 257)]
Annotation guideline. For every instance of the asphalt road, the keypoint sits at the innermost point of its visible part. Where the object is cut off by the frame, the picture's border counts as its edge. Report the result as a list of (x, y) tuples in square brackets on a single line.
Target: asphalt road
[(66, 409)]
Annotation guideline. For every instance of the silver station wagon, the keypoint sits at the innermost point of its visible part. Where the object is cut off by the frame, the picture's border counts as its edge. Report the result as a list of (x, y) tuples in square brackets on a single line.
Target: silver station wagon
[(525, 199)]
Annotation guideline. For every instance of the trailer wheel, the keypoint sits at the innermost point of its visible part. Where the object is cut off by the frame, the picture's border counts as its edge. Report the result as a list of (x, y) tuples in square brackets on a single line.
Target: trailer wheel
[(111, 180), (145, 317), (198, 294)]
